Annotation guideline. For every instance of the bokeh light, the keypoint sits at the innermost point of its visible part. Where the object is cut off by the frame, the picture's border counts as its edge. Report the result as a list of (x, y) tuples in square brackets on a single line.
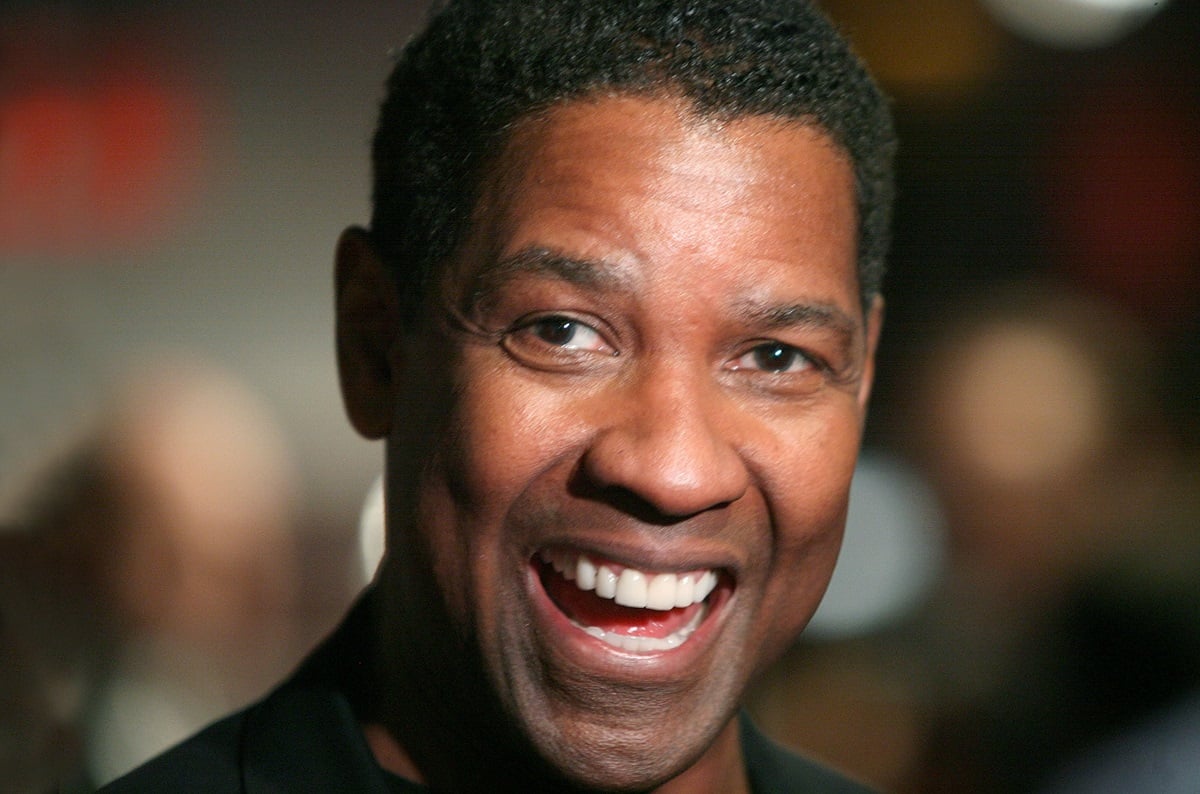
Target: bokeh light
[(1074, 23)]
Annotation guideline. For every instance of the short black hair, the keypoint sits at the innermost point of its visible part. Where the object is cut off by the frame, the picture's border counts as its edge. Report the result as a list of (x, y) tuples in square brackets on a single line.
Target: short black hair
[(482, 65)]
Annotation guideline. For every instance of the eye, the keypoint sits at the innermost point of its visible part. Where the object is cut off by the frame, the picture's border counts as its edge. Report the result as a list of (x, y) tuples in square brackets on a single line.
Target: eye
[(774, 357), (556, 342), (567, 332)]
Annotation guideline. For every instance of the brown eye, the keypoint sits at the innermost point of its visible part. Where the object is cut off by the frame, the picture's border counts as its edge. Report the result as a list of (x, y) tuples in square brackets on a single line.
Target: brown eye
[(774, 357), (560, 331), (556, 342)]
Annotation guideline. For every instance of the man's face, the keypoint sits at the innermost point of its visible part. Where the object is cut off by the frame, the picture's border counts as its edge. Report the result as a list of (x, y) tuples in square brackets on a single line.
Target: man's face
[(621, 449)]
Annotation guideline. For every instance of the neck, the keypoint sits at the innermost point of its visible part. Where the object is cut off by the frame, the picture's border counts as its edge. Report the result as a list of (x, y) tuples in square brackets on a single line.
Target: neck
[(433, 719)]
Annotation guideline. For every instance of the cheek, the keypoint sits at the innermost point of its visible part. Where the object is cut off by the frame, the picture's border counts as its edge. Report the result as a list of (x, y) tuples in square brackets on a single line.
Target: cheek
[(807, 469), (808, 493), (509, 434)]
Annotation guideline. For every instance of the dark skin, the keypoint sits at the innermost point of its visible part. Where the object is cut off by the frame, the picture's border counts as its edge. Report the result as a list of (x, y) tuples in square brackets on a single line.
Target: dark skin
[(651, 335)]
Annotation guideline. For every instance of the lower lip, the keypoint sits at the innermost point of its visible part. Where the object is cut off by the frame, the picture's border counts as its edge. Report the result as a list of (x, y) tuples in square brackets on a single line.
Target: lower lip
[(576, 645)]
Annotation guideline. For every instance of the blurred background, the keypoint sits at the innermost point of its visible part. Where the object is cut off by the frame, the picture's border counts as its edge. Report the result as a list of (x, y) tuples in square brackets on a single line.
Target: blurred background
[(1018, 605)]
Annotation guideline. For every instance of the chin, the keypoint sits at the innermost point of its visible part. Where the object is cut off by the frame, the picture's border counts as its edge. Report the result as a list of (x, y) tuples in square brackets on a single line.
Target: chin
[(601, 737)]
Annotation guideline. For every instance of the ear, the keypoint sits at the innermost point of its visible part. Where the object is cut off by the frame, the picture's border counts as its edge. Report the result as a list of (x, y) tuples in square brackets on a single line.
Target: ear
[(874, 328), (368, 328)]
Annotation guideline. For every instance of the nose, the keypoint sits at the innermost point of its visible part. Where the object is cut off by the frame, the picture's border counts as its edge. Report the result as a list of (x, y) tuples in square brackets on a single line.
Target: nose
[(669, 441)]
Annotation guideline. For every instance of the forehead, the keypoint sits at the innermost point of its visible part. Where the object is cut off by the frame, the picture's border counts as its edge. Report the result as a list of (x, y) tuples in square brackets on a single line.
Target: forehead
[(630, 180)]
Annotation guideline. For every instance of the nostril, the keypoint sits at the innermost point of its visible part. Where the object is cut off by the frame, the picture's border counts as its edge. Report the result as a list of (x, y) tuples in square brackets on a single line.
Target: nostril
[(655, 493), (667, 448)]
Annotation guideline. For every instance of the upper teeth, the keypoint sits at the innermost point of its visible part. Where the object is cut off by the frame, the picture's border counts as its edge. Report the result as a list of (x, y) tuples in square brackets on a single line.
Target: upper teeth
[(631, 587)]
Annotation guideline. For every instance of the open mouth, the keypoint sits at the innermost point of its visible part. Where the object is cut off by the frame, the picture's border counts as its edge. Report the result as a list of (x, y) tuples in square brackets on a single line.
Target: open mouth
[(626, 608)]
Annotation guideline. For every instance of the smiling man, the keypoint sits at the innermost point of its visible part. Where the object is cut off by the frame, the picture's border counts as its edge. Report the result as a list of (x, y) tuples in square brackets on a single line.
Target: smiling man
[(615, 318)]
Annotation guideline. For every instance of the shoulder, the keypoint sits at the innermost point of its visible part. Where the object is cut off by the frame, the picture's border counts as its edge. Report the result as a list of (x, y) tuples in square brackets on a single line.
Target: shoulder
[(299, 738), (302, 736), (774, 769), (207, 762)]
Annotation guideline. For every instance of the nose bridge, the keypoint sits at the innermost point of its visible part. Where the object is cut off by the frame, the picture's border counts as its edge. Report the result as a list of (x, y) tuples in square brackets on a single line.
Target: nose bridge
[(671, 441)]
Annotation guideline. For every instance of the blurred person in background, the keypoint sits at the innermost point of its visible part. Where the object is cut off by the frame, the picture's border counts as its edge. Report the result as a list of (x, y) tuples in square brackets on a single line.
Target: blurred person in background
[(1068, 610), (150, 587)]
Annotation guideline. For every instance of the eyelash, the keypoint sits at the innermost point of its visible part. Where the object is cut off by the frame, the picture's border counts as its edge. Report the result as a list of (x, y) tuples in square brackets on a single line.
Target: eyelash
[(547, 354), (791, 354), (563, 322), (550, 354)]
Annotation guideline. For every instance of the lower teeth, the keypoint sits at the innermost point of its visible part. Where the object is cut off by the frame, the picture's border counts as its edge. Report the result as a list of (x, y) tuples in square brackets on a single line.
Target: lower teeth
[(634, 644)]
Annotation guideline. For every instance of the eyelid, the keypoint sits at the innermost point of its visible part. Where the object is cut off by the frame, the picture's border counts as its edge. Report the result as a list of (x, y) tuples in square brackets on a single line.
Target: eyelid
[(597, 325), (812, 361), (577, 324), (520, 342)]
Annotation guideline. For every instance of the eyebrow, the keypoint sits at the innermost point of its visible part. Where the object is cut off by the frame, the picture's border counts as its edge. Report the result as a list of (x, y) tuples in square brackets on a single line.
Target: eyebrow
[(593, 274), (585, 273), (811, 315), (820, 316)]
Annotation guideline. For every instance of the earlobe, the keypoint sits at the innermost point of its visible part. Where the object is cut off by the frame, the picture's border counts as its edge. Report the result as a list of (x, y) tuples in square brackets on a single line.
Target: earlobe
[(368, 325)]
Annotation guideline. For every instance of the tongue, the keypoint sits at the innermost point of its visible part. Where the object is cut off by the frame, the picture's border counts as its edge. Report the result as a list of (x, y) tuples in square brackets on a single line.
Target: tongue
[(588, 609)]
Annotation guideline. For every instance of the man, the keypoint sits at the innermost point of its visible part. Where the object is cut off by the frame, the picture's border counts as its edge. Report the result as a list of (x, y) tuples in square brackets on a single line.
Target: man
[(615, 318)]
